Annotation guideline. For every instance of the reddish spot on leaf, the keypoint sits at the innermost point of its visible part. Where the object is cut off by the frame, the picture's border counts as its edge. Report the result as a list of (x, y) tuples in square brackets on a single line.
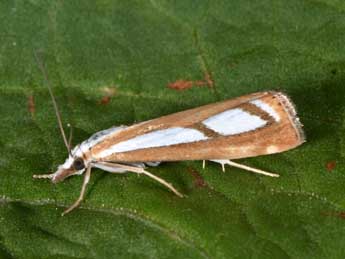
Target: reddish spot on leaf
[(198, 180), (186, 84), (108, 93), (31, 104), (181, 85), (105, 100), (331, 165), (339, 214)]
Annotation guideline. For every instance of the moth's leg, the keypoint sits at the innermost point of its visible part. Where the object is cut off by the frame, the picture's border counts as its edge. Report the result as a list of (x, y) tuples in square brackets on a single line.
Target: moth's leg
[(109, 167), (154, 164), (82, 192), (41, 176), (138, 170), (203, 164), (224, 162)]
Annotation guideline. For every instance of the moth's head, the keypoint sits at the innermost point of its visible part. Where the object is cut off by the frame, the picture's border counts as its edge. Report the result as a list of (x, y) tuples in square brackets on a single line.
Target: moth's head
[(74, 165)]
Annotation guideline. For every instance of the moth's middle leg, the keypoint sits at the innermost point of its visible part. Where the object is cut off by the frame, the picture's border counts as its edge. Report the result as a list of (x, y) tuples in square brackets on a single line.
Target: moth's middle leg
[(121, 168)]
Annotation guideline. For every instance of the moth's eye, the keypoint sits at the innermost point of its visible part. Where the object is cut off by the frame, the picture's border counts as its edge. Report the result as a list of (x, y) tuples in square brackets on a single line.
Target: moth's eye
[(78, 164)]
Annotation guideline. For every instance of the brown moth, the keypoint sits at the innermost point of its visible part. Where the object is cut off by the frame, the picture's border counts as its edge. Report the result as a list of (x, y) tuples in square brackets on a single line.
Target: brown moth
[(252, 125)]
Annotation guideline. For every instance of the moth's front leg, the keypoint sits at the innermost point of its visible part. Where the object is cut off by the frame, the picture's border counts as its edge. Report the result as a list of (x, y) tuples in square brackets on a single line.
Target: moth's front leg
[(82, 192)]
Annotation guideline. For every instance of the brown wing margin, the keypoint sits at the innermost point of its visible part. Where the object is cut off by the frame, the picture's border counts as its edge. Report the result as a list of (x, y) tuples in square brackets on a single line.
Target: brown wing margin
[(290, 109)]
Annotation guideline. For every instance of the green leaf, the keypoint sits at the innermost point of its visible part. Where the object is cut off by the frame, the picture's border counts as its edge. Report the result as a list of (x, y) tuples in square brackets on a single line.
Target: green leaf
[(120, 62)]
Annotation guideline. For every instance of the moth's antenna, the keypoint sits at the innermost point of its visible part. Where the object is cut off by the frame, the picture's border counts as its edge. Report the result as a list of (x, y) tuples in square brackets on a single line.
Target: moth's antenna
[(58, 116), (70, 136)]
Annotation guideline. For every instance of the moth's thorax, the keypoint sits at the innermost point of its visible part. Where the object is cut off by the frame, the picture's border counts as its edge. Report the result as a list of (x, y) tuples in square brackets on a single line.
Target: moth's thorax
[(82, 151)]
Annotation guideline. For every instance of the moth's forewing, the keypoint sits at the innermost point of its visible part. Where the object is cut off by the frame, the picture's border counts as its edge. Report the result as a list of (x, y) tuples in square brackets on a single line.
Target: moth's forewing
[(252, 125)]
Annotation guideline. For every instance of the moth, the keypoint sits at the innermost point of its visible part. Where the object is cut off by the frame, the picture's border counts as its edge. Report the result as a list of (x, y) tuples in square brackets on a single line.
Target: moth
[(252, 125)]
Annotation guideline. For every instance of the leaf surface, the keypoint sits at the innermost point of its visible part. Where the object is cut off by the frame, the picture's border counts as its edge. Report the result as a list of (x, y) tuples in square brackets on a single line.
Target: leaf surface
[(121, 62)]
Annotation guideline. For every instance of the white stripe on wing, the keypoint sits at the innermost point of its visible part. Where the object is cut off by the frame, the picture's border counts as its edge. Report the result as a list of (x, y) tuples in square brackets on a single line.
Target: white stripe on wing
[(159, 138), (234, 121)]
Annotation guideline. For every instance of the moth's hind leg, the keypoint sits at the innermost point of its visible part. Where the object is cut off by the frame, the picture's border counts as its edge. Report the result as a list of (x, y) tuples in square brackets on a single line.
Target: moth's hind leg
[(224, 162), (121, 168)]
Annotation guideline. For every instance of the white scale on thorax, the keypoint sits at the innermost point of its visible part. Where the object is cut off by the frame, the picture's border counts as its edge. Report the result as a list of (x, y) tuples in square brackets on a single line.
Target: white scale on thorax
[(86, 145)]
